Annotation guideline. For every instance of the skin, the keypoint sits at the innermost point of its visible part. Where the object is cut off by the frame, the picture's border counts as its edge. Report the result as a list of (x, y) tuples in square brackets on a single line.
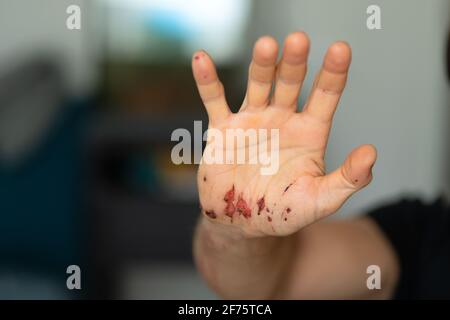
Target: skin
[(260, 236)]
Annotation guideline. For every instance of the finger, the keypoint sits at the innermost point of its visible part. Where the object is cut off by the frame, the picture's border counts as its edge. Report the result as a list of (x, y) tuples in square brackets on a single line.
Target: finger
[(291, 71), (261, 73), (209, 86), (352, 176), (329, 83)]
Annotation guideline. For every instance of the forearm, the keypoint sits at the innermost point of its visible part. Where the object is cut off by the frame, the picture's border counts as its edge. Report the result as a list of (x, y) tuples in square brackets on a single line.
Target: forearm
[(331, 261), (324, 260), (239, 267)]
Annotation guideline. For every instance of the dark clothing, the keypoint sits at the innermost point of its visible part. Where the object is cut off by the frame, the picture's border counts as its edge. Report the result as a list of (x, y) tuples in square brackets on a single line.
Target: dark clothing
[(420, 235)]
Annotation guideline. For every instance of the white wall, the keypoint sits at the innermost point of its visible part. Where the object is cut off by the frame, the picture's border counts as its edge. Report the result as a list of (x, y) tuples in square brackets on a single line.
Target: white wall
[(30, 27), (397, 93)]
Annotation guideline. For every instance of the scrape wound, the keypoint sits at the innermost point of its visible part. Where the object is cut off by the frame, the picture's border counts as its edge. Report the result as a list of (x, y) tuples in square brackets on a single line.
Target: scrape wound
[(261, 205), (287, 188), (229, 196), (242, 208), (211, 214), (230, 209)]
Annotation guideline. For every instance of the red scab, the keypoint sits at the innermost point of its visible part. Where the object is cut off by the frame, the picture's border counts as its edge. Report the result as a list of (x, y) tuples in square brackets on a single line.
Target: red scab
[(242, 208), (196, 57), (229, 196), (267, 210), (269, 219), (261, 205), (230, 209), (285, 219), (288, 210), (211, 214)]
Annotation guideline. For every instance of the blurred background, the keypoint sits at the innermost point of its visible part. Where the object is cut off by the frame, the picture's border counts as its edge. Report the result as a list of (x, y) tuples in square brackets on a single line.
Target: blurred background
[(86, 117)]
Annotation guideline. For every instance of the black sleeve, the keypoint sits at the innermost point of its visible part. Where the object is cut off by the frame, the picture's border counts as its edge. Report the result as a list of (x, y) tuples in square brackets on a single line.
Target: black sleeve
[(414, 228)]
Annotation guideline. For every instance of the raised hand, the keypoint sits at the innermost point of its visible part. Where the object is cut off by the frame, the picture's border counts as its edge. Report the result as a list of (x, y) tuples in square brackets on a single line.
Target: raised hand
[(300, 192)]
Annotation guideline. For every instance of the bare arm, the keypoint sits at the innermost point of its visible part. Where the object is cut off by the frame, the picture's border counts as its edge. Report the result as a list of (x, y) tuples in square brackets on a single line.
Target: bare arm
[(327, 260)]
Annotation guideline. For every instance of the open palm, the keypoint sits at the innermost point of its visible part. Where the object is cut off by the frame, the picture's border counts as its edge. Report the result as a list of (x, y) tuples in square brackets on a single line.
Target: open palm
[(299, 192)]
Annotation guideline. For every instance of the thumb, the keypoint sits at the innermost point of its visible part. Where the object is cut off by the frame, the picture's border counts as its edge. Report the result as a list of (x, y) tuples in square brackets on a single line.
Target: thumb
[(352, 176)]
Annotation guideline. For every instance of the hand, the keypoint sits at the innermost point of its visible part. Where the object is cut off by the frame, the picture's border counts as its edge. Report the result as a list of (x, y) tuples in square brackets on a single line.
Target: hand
[(300, 192)]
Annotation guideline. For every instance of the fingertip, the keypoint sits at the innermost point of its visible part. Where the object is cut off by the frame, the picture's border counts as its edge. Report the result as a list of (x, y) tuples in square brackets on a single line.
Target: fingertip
[(367, 155), (203, 67), (353, 175), (265, 51), (197, 55), (296, 47), (359, 166), (338, 57), (297, 39)]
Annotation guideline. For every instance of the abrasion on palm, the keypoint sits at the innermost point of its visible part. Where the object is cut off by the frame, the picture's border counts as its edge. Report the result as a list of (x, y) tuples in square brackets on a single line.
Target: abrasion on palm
[(301, 191)]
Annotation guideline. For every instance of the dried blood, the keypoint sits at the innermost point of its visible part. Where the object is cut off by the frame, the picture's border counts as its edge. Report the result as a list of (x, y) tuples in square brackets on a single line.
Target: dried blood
[(287, 188), (230, 209), (211, 214), (229, 196), (261, 205), (242, 208)]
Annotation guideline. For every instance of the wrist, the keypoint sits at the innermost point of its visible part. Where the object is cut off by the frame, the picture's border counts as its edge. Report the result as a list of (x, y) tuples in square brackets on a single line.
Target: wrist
[(240, 259), (220, 238), (215, 235)]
